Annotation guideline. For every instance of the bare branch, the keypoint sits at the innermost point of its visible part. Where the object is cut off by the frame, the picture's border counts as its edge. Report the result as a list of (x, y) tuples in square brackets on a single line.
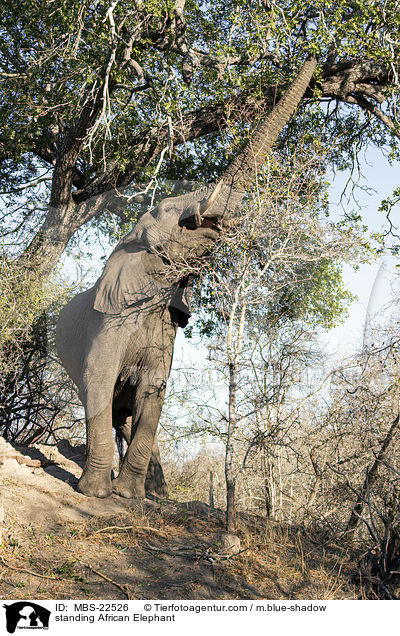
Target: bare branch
[(374, 110)]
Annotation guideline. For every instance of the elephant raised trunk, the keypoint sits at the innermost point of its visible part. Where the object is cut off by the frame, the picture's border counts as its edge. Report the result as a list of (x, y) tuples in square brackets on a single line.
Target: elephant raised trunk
[(243, 170)]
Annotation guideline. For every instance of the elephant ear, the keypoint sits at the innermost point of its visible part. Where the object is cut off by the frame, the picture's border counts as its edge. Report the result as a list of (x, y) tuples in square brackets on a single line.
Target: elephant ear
[(125, 281), (135, 277)]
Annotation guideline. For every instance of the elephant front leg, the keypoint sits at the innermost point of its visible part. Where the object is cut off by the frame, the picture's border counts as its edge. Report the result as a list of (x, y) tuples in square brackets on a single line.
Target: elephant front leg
[(130, 482), (96, 477)]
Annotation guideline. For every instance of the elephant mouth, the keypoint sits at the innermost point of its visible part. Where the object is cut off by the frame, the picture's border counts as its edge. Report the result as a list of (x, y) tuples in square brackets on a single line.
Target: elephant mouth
[(212, 222)]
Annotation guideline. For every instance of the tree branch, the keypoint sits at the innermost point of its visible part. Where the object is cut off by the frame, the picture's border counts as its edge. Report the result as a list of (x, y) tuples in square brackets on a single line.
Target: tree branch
[(377, 112), (341, 81)]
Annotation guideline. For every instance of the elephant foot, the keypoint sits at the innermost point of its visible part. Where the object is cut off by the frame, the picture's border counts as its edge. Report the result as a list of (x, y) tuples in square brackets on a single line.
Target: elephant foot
[(94, 484), (129, 488), (160, 492)]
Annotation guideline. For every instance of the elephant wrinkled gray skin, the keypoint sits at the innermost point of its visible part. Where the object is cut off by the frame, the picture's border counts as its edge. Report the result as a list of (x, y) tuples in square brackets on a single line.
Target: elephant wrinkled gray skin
[(116, 339)]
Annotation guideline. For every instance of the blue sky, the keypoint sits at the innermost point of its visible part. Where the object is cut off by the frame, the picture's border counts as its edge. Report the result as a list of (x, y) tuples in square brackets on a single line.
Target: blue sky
[(374, 284)]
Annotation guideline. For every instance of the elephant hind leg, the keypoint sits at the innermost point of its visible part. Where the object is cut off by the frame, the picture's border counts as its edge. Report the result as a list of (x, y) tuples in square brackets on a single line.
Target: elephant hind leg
[(122, 423), (155, 483)]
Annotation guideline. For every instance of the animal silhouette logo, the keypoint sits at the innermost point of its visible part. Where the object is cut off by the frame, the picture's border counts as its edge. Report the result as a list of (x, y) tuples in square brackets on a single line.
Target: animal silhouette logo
[(26, 615)]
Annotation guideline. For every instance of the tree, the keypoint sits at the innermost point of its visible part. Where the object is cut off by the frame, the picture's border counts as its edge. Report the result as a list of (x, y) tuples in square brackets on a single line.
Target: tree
[(271, 283), (99, 96), (101, 100)]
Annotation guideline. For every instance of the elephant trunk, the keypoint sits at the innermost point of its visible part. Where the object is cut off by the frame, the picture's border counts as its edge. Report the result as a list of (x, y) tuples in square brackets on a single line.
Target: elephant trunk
[(243, 170)]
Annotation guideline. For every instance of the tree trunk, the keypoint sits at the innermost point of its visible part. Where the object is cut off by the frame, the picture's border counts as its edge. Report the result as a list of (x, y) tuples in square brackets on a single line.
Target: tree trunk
[(234, 353), (370, 478), (211, 490), (267, 492), (230, 478), (44, 252), (231, 505), (318, 479), (59, 226), (273, 489)]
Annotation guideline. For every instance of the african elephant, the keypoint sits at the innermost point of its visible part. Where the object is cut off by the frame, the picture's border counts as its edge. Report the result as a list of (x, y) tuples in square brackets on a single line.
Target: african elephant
[(116, 339)]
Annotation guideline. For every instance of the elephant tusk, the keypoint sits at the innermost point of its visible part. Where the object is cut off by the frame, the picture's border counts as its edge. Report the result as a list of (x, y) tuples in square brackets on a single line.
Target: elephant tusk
[(211, 199)]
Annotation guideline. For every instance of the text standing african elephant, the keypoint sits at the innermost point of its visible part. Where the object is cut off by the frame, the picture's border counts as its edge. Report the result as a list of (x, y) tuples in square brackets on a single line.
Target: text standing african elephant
[(116, 339)]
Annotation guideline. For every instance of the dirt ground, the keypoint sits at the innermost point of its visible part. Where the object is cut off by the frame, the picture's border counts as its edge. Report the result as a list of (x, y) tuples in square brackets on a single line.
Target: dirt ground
[(57, 544)]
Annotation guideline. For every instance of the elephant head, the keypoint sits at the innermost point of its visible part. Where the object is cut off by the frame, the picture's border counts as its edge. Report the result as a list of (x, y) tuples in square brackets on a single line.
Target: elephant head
[(135, 270)]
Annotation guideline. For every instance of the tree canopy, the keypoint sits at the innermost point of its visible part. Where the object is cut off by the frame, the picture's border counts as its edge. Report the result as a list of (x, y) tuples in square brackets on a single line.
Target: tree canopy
[(99, 96)]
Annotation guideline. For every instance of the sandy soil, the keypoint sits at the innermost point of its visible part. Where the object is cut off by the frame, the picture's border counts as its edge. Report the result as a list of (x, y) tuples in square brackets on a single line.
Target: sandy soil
[(46, 495)]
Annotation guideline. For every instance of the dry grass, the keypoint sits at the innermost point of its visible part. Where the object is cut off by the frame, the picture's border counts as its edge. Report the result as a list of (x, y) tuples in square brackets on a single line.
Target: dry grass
[(282, 562), (172, 552)]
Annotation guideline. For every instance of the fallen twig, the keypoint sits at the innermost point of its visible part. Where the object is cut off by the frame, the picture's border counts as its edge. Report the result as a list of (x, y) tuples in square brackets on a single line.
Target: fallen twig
[(41, 576), (119, 528), (183, 552), (230, 556), (124, 588), (21, 459), (188, 552), (203, 555), (113, 528)]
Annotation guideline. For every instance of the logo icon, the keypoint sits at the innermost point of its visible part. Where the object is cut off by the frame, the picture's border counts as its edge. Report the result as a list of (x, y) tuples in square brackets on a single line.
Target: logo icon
[(26, 615)]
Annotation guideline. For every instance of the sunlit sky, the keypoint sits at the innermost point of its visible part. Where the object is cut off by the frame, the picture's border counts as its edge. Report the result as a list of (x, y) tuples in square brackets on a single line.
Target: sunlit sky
[(374, 284)]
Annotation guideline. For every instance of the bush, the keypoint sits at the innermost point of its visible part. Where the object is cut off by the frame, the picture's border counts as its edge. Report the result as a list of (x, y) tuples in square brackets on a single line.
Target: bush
[(29, 400)]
